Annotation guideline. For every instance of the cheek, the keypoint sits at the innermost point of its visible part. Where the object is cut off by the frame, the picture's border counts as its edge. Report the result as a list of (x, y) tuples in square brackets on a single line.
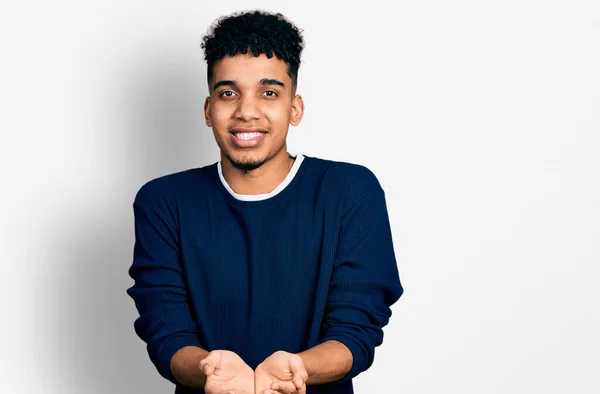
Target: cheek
[(220, 113), (278, 115)]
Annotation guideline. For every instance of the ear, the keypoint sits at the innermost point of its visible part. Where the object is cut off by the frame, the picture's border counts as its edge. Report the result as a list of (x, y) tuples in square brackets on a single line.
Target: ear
[(297, 110), (207, 118)]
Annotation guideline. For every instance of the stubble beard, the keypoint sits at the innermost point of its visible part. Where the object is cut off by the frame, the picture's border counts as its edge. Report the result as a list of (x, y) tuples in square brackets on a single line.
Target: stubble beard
[(247, 166)]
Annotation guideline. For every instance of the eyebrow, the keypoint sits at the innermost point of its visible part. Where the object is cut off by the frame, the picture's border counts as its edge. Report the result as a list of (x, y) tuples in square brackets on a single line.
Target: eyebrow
[(224, 83), (270, 81), (264, 81)]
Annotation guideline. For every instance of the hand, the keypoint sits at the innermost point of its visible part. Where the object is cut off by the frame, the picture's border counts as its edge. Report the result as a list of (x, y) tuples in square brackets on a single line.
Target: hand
[(281, 372), (227, 373)]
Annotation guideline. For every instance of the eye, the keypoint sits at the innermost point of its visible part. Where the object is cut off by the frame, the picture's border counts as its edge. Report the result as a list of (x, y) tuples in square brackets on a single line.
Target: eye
[(227, 93), (270, 93)]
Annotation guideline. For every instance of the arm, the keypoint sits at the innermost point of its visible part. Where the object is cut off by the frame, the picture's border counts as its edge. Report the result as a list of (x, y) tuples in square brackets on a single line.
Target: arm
[(364, 282), (287, 373), (165, 322), (185, 366), (327, 362), (363, 286)]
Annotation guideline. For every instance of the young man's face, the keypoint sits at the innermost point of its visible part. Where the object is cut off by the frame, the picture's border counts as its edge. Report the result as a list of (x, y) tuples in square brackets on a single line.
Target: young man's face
[(250, 107)]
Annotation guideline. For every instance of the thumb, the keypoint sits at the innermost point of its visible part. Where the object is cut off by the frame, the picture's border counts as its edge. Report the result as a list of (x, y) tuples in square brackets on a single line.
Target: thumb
[(210, 363), (299, 371)]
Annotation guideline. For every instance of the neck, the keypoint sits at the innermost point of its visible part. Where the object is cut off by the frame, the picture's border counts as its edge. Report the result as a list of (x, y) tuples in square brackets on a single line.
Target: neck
[(261, 180)]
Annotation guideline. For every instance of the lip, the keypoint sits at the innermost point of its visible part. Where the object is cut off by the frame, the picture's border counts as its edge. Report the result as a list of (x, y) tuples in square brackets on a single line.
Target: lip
[(247, 130), (240, 143)]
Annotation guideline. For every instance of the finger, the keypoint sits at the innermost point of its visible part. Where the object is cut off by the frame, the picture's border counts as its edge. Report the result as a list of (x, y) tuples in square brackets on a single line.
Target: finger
[(298, 382), (206, 366), (210, 363), (299, 371), (208, 369), (267, 391), (302, 390), (284, 387)]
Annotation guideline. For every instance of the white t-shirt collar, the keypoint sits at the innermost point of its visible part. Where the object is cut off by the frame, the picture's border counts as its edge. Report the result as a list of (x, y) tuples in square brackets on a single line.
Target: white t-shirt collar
[(273, 193)]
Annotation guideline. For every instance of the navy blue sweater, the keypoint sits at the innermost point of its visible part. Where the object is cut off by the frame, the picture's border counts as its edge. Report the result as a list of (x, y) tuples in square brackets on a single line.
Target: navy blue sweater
[(312, 263)]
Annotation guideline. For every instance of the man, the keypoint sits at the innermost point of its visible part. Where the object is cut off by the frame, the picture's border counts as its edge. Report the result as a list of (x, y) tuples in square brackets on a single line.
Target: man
[(265, 272)]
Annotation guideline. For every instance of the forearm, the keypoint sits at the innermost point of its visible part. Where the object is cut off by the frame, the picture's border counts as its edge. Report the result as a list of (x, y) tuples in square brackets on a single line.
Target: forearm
[(185, 366), (327, 362)]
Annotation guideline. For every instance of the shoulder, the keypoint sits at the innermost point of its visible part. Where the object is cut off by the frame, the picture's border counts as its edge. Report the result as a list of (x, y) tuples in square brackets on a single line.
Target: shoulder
[(172, 186), (351, 181)]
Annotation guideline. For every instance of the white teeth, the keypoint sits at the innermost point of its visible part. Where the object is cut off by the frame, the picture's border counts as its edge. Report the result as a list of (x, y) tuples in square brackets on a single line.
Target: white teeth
[(247, 136)]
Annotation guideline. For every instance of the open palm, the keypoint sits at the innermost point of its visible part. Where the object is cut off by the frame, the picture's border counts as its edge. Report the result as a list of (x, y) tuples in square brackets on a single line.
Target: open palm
[(286, 370), (227, 373)]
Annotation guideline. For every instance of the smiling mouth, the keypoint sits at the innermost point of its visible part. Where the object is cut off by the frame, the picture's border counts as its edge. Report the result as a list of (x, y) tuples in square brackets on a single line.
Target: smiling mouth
[(244, 135), (247, 133), (247, 137)]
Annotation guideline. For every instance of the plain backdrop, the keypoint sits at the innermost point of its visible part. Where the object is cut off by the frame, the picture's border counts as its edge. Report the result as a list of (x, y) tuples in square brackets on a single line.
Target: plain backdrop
[(481, 120)]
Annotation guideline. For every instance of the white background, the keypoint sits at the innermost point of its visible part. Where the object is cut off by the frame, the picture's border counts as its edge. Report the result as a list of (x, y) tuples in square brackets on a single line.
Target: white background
[(480, 118)]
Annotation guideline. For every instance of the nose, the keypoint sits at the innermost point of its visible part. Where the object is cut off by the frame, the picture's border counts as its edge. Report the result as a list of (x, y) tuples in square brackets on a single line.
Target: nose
[(248, 108)]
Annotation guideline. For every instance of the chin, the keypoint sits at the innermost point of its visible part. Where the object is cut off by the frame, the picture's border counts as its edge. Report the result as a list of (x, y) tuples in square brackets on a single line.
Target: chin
[(246, 163)]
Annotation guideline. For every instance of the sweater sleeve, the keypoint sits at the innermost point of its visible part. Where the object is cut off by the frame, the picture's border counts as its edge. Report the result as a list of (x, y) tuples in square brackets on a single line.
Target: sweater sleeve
[(159, 291), (365, 280)]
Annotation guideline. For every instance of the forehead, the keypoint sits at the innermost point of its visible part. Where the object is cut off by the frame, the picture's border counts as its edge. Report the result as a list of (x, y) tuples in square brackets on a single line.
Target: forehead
[(247, 68)]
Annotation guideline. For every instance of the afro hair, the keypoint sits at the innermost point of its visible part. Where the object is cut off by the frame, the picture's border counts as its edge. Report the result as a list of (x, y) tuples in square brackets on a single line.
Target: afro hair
[(258, 32)]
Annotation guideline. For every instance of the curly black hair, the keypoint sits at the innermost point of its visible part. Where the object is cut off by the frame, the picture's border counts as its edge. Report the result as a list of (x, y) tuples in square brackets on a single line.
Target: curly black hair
[(259, 32)]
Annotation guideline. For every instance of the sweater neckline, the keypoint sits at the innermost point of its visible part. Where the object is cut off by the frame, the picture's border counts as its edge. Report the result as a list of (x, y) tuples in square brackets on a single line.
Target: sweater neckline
[(260, 197), (274, 197)]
